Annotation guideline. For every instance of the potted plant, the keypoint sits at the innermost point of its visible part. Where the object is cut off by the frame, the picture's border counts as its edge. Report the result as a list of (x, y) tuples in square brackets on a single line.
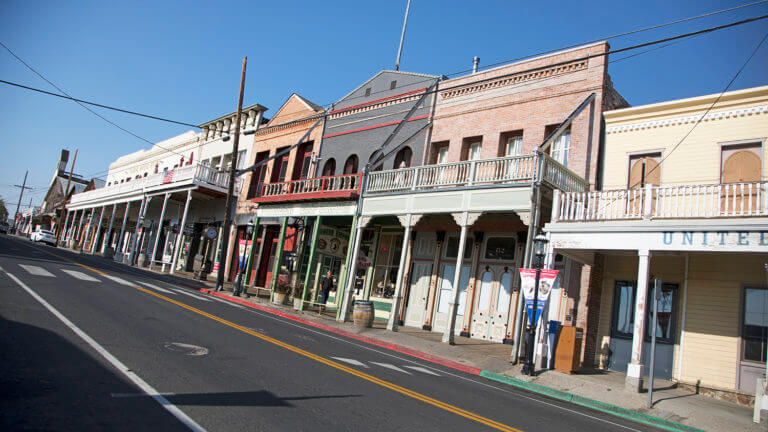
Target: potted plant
[(298, 292), (282, 289)]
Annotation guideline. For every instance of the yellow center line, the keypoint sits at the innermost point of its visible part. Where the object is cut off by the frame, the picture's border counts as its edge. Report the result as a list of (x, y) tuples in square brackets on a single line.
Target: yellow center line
[(407, 392)]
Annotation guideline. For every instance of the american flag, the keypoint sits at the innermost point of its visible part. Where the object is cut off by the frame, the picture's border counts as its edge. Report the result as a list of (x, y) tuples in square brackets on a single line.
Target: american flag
[(168, 176)]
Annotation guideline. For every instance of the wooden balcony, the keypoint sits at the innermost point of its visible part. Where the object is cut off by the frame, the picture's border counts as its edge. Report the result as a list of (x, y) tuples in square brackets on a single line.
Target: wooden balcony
[(346, 186)]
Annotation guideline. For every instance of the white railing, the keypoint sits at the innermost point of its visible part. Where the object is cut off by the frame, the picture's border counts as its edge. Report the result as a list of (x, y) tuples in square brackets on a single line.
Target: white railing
[(664, 202), (192, 173), (508, 169), (317, 185)]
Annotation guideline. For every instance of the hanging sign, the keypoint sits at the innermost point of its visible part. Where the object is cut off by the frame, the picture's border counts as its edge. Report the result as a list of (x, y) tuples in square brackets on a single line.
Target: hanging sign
[(527, 286), (242, 250)]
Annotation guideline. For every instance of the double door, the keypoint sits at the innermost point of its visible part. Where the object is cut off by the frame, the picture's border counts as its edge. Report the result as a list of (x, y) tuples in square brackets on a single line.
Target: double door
[(490, 314), (443, 298)]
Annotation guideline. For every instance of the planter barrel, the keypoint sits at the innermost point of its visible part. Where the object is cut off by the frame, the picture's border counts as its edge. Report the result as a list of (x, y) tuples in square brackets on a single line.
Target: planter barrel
[(362, 314)]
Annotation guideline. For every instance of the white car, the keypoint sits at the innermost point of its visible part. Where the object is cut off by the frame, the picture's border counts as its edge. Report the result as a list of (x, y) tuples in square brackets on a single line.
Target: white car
[(43, 236)]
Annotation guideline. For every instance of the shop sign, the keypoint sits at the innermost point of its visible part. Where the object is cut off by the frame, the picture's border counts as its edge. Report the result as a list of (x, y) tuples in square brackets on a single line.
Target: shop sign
[(547, 280)]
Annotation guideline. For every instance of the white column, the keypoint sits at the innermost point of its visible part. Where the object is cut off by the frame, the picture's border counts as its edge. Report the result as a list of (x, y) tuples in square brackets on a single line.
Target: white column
[(407, 221), (181, 233), (635, 367), (88, 229), (98, 230), (63, 228), (140, 219), (350, 275), (122, 230), (109, 230), (80, 224), (157, 233), (448, 334), (71, 228)]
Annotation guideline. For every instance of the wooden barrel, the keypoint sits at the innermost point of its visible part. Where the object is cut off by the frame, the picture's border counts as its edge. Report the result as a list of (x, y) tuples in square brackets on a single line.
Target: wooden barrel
[(362, 314)]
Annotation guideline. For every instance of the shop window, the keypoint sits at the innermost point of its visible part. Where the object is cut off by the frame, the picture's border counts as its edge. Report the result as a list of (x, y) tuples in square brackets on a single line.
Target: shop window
[(500, 248), (452, 247), (329, 168), (754, 330), (665, 325), (623, 309)]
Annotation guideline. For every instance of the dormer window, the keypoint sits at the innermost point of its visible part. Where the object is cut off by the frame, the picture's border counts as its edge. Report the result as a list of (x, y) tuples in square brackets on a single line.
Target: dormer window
[(392, 85), (368, 91)]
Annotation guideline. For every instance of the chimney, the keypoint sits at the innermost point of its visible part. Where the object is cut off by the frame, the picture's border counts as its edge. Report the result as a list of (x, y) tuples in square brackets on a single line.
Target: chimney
[(63, 159), (475, 62)]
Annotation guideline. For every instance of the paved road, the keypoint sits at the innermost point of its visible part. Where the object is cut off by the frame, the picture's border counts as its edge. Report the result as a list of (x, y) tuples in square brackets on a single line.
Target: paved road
[(87, 344)]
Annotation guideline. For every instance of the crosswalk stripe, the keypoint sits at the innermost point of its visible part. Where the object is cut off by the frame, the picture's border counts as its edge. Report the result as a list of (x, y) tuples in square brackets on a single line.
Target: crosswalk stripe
[(120, 281), (391, 366), (421, 369), (80, 275), (36, 270), (350, 361), (155, 287), (180, 291)]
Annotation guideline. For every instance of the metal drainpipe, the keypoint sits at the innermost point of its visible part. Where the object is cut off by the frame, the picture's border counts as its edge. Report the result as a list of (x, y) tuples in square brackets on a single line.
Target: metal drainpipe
[(320, 146)]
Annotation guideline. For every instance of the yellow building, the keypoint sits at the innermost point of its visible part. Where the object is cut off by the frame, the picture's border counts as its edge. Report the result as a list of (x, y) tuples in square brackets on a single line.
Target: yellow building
[(684, 199)]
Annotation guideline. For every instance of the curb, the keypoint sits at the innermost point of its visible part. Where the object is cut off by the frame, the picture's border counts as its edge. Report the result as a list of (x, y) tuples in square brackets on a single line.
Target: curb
[(394, 347), (607, 408)]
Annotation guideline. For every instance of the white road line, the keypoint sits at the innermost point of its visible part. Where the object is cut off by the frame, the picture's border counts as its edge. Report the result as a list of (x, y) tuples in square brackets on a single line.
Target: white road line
[(226, 302), (351, 361), (421, 369), (391, 366), (36, 270), (80, 275), (181, 291), (155, 287), (143, 385), (129, 395), (120, 281)]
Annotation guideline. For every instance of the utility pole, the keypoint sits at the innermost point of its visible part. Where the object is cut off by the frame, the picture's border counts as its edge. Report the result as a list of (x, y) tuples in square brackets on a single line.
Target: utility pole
[(21, 195), (64, 203), (230, 189)]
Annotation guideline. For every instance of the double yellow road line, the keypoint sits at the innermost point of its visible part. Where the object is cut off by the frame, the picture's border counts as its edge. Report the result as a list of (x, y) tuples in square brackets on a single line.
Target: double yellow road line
[(320, 359)]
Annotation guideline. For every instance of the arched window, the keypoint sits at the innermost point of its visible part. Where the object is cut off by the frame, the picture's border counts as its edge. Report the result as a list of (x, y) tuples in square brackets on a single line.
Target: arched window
[(403, 158), (329, 168), (350, 166)]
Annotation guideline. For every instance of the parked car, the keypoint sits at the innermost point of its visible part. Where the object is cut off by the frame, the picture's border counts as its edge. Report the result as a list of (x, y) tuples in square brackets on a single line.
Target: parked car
[(4, 228), (43, 236)]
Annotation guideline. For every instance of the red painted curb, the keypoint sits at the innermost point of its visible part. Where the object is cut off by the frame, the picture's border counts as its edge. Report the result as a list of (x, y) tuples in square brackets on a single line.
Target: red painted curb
[(394, 347)]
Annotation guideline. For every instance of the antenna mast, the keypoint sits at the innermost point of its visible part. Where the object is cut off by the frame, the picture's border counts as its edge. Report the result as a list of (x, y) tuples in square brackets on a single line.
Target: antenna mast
[(402, 36)]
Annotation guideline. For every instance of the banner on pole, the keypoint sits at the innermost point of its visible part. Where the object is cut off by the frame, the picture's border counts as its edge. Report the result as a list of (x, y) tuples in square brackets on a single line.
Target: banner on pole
[(527, 286)]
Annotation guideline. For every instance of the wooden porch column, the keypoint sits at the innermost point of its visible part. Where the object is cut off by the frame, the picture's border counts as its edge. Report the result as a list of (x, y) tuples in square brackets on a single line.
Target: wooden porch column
[(634, 378)]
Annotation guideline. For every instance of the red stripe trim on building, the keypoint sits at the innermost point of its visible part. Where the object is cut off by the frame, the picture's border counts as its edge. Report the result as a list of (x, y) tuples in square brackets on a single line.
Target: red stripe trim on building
[(380, 125), (373, 102)]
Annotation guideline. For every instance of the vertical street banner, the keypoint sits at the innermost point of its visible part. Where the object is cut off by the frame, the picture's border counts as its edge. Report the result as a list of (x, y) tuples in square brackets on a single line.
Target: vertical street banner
[(527, 286), (242, 250)]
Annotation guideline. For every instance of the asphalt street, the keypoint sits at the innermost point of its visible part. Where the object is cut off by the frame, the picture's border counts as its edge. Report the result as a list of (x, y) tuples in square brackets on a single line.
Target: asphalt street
[(89, 344)]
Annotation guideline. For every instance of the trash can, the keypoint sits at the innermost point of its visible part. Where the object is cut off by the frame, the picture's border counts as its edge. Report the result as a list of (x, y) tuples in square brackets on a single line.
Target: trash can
[(568, 350), (552, 329)]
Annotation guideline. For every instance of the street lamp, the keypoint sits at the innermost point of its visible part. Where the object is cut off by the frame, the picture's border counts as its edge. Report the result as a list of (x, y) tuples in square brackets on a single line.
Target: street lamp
[(539, 252)]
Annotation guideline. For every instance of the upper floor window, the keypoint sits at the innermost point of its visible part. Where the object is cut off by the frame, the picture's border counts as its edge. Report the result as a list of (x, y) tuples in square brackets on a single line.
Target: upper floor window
[(741, 163), (513, 146), (368, 91), (403, 158), (392, 85), (329, 168), (644, 169), (350, 166), (241, 161), (471, 147), (561, 147)]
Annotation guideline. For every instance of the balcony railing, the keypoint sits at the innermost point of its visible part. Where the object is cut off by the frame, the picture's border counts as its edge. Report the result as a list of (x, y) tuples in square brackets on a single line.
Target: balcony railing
[(341, 186), (508, 169), (664, 202), (199, 174)]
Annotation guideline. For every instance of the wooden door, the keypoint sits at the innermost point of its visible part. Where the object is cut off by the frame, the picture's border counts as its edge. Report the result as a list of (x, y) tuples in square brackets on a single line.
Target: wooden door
[(643, 170), (740, 167)]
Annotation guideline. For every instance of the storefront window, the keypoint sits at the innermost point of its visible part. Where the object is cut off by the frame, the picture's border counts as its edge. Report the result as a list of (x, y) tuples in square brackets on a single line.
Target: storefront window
[(755, 325), (452, 248), (623, 309), (500, 248), (665, 326)]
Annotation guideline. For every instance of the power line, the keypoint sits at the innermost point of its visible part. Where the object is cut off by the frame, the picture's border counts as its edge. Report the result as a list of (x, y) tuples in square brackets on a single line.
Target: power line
[(701, 118), (67, 94), (97, 104)]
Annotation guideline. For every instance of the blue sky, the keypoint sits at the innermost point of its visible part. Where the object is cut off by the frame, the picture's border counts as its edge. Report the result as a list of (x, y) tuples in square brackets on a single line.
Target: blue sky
[(181, 60)]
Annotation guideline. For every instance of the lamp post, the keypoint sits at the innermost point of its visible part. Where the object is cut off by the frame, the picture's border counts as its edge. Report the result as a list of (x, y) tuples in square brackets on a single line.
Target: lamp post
[(540, 251)]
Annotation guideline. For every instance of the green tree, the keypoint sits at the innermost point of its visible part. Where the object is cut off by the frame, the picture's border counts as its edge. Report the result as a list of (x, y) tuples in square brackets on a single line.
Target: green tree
[(3, 211)]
